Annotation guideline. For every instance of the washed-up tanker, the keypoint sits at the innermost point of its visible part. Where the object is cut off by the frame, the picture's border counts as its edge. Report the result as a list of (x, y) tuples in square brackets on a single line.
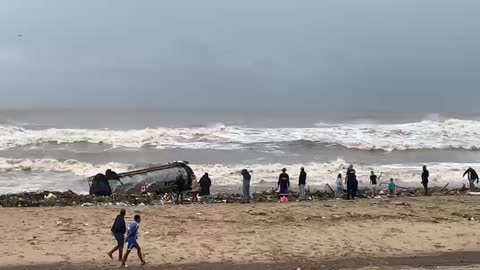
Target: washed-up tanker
[(159, 179)]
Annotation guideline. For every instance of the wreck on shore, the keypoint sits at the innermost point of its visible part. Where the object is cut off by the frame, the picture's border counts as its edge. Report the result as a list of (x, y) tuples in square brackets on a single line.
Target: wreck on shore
[(155, 179)]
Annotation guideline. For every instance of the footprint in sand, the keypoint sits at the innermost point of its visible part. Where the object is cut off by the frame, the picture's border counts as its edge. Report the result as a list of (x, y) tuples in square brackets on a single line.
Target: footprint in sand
[(207, 247)]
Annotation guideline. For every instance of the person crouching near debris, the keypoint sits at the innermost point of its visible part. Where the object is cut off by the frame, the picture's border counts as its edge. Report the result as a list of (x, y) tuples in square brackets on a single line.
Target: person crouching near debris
[(339, 186), (118, 230), (195, 190), (132, 237), (391, 187)]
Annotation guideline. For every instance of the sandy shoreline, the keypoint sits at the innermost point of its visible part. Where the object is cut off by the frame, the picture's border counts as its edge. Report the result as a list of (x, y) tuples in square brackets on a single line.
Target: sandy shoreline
[(310, 235)]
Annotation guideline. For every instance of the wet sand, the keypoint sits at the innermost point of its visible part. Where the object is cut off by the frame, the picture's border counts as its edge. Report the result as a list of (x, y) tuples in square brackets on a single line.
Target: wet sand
[(404, 233), (446, 261)]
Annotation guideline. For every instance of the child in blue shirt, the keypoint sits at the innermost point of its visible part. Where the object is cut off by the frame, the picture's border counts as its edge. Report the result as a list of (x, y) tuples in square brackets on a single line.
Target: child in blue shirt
[(132, 236)]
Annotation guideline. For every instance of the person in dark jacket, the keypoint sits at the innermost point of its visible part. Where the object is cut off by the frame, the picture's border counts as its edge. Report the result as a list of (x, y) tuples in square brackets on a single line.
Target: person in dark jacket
[(100, 186), (373, 183), (205, 184), (425, 176), (111, 175), (118, 230), (472, 177), (283, 183), (246, 185), (352, 183), (302, 181), (180, 188)]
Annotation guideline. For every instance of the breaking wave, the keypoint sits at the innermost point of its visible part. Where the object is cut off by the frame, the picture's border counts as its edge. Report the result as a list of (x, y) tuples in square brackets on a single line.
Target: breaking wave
[(46, 174), (56, 166), (427, 134)]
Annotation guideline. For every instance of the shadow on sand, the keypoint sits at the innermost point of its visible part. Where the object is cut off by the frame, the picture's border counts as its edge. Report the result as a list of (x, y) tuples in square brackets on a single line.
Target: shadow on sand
[(425, 261)]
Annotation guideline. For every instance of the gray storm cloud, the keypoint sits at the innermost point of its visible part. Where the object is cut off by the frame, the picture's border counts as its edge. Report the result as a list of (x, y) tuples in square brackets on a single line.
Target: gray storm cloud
[(293, 55)]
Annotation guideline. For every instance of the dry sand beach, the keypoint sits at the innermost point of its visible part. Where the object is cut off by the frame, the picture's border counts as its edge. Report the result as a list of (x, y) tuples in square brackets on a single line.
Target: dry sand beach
[(403, 233)]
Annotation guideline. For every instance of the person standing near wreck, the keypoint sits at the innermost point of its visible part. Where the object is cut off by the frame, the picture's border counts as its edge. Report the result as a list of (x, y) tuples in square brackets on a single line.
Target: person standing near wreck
[(373, 183), (283, 183), (472, 177), (195, 190), (302, 181), (339, 186), (205, 184), (425, 176), (246, 185), (180, 184), (352, 183)]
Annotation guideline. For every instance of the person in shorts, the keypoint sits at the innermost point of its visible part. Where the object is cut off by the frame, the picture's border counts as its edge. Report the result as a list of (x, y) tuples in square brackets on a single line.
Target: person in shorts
[(118, 230), (132, 242)]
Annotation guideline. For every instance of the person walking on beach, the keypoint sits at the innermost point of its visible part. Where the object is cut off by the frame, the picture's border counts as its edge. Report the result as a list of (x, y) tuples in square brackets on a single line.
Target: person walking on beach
[(118, 230), (373, 183), (180, 184), (352, 183), (246, 185), (132, 242), (472, 177), (339, 185), (302, 181), (205, 184), (195, 190), (132, 237), (283, 183), (425, 176)]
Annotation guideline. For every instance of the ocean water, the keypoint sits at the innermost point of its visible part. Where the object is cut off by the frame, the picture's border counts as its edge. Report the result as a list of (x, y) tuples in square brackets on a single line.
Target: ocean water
[(58, 149)]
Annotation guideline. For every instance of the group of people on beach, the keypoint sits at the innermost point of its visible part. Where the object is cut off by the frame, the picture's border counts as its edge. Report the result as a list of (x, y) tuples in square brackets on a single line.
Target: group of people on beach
[(348, 184)]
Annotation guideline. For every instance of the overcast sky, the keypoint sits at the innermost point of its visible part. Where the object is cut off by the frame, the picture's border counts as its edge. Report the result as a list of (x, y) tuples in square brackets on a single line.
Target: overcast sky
[(421, 55)]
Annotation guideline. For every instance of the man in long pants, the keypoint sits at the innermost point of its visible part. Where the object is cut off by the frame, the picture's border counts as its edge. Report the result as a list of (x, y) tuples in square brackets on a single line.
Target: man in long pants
[(352, 184), (246, 185), (302, 181), (425, 176)]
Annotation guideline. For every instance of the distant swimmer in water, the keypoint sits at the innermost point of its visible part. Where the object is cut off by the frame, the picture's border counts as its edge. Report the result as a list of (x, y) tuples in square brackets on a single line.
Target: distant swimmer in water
[(472, 177)]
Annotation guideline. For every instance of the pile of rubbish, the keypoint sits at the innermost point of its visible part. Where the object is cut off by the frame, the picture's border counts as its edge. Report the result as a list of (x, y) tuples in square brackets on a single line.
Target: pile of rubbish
[(70, 198)]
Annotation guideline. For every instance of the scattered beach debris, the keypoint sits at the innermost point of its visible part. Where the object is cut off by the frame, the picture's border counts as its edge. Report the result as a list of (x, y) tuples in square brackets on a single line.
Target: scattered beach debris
[(70, 198), (87, 204), (51, 196)]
